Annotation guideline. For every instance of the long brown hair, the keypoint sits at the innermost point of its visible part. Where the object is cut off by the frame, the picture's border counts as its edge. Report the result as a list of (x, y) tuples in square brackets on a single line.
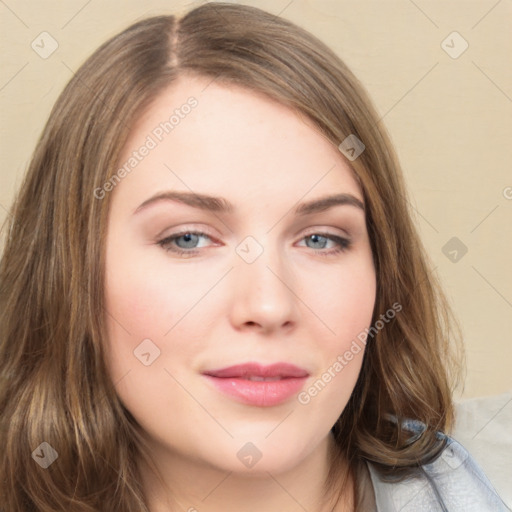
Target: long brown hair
[(54, 385)]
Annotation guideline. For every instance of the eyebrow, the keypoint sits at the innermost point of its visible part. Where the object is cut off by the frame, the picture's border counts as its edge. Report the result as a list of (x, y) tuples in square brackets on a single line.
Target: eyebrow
[(221, 205)]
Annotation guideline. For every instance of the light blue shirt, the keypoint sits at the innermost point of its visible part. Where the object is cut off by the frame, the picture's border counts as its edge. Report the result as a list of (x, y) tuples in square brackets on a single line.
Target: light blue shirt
[(453, 482)]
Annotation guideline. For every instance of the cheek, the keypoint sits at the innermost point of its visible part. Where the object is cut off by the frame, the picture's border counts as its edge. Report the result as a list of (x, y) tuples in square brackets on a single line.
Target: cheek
[(346, 308), (345, 305), (344, 302), (145, 352), (146, 299)]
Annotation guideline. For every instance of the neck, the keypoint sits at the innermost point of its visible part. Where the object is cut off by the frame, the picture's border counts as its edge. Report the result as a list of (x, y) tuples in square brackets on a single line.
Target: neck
[(192, 486)]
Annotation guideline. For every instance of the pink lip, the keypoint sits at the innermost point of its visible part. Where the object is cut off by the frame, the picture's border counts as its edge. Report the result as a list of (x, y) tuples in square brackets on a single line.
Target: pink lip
[(235, 382)]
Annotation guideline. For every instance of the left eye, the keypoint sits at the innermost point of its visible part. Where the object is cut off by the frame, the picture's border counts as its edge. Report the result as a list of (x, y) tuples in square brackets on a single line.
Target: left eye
[(185, 243), (323, 238)]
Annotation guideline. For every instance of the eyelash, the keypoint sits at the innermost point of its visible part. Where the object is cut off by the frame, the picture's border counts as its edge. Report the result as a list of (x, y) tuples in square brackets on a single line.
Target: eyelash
[(343, 243)]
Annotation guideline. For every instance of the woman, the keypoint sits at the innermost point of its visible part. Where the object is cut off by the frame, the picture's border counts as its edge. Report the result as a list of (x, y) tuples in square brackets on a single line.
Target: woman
[(213, 296)]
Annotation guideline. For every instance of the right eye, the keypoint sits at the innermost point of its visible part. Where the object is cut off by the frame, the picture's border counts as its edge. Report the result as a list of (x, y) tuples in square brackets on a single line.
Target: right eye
[(183, 243)]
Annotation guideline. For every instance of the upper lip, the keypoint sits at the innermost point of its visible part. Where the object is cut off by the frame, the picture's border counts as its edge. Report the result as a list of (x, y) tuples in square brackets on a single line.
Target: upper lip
[(283, 370)]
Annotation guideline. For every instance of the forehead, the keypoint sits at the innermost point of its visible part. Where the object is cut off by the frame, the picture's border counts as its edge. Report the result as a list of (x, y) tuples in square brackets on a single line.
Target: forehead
[(223, 139)]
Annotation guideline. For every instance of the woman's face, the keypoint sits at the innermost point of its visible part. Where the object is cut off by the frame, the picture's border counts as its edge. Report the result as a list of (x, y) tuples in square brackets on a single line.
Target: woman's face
[(232, 320)]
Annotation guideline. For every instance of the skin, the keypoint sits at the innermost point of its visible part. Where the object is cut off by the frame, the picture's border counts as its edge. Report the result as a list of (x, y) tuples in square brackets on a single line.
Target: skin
[(212, 309)]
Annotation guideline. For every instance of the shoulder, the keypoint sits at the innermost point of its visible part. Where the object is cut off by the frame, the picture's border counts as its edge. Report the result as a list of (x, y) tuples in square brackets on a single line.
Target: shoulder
[(452, 482)]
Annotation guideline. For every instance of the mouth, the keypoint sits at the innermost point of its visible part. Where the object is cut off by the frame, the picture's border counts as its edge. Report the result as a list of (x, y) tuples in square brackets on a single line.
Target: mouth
[(258, 385)]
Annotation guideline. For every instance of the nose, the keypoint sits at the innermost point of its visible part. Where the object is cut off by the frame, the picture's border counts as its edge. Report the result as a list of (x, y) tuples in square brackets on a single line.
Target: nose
[(263, 295)]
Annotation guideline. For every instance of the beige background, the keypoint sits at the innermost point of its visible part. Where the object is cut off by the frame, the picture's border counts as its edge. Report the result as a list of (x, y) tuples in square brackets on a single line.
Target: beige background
[(449, 118)]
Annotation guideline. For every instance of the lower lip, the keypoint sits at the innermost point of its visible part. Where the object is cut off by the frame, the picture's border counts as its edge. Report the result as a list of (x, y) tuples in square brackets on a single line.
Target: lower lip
[(259, 393)]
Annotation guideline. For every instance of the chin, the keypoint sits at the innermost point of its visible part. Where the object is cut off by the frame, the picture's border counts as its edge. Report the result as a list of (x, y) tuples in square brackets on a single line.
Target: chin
[(255, 456)]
